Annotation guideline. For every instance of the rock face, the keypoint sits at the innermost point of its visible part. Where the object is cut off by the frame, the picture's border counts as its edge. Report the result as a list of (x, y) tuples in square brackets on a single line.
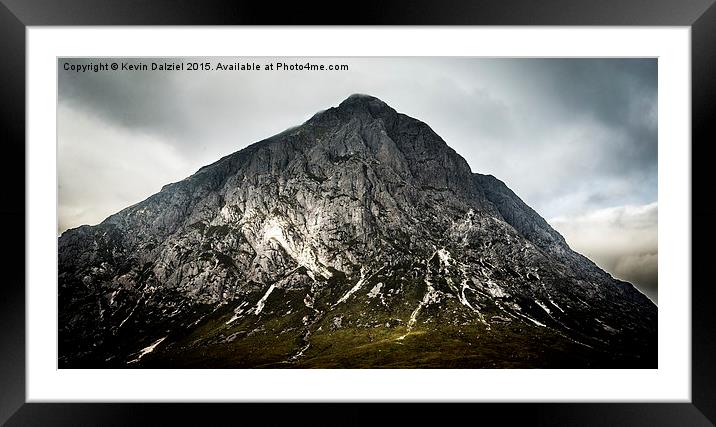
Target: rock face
[(358, 239)]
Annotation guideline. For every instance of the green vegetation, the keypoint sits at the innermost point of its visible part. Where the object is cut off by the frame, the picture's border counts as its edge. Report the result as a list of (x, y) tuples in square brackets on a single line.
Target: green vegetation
[(511, 345)]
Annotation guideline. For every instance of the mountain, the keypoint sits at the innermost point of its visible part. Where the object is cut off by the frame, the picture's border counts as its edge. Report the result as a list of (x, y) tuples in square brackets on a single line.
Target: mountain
[(357, 239)]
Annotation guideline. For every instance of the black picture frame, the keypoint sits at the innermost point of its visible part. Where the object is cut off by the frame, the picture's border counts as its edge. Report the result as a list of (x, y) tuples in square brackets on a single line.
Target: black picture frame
[(16, 15)]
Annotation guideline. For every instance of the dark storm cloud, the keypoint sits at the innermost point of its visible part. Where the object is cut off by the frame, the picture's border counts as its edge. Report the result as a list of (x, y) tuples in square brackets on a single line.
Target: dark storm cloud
[(619, 94), (599, 114), (140, 101), (216, 113)]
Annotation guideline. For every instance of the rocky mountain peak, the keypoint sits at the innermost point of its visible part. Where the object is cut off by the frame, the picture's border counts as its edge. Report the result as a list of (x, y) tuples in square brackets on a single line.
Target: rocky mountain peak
[(364, 102), (360, 223), (360, 109)]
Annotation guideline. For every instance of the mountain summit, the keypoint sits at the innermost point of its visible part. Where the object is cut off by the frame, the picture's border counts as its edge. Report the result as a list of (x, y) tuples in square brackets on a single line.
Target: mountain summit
[(358, 239)]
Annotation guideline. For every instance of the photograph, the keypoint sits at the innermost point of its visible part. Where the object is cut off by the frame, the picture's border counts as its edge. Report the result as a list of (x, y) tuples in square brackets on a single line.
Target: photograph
[(357, 212), (233, 208)]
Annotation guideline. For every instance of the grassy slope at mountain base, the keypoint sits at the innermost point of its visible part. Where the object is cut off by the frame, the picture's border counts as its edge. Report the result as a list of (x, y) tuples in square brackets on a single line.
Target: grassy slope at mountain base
[(511, 345)]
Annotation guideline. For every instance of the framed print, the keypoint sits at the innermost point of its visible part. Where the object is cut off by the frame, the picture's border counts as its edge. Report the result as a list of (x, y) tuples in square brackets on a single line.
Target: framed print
[(473, 205)]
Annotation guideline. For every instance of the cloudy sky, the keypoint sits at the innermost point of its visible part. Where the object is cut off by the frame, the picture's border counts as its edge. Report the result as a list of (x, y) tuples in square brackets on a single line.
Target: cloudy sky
[(576, 139)]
